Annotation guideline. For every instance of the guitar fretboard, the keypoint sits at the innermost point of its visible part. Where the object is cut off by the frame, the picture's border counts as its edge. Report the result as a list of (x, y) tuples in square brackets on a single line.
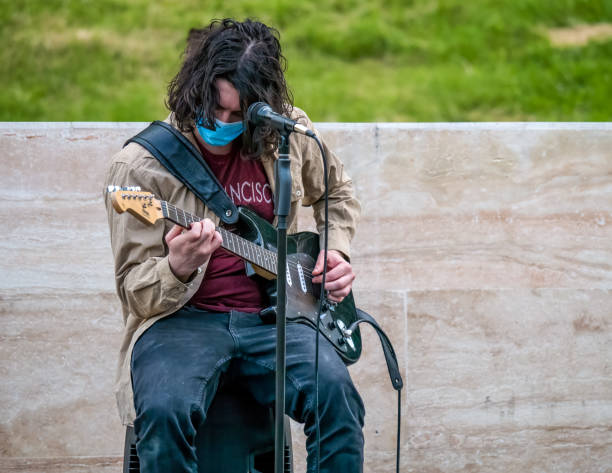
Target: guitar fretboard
[(233, 243)]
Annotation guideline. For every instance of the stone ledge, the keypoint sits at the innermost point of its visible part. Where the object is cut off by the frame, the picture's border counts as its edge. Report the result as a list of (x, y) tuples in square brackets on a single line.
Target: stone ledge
[(62, 465)]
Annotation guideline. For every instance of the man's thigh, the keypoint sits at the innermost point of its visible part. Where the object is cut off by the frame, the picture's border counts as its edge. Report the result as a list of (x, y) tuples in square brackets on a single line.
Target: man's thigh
[(179, 355)]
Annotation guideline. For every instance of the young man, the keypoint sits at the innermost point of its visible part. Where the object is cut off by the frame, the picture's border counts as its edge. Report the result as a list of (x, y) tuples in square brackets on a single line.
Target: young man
[(191, 314)]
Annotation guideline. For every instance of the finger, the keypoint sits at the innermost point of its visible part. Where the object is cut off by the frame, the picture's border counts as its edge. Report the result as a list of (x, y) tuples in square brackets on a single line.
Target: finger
[(343, 291), (200, 231), (209, 243), (199, 228), (217, 240), (334, 258), (173, 233), (338, 272), (335, 273), (319, 264), (190, 234), (341, 284), (336, 297), (208, 229)]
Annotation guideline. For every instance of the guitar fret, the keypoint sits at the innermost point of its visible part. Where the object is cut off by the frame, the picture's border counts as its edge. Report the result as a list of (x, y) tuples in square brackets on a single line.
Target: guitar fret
[(251, 252), (258, 256), (274, 261), (242, 248), (226, 238), (229, 241), (247, 248), (184, 218), (269, 262), (247, 254), (233, 242)]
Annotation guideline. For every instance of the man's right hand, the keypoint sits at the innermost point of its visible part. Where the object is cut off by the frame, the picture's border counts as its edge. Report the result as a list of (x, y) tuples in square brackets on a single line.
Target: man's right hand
[(190, 249)]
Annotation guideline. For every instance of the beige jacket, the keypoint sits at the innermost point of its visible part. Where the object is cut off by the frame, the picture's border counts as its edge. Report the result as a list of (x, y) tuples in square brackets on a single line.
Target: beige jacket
[(146, 286)]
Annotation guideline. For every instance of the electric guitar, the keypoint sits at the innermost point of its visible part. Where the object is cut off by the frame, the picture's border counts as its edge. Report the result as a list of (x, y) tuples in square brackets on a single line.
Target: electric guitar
[(255, 242)]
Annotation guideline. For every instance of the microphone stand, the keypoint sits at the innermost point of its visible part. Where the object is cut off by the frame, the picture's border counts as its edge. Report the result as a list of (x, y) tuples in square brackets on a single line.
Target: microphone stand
[(282, 177)]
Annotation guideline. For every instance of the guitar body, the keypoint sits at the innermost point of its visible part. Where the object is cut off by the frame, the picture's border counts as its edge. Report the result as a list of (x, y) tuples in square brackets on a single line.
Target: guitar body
[(302, 294)]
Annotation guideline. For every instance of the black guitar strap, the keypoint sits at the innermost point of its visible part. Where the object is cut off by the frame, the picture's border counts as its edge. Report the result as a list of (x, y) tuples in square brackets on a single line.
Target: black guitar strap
[(184, 162), (392, 366), (390, 357)]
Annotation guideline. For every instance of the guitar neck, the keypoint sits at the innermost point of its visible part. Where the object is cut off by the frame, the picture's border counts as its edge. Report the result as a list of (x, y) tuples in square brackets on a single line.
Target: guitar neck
[(233, 243)]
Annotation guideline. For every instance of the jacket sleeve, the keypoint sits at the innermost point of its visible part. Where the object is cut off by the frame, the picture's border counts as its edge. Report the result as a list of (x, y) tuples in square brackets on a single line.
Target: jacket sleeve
[(344, 208), (145, 283)]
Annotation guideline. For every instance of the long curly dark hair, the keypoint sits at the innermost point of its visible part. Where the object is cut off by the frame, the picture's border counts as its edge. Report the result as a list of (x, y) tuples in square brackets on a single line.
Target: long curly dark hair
[(248, 55)]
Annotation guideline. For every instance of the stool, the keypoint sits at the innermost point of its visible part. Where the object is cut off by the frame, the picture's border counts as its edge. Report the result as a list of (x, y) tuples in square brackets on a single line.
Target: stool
[(237, 437)]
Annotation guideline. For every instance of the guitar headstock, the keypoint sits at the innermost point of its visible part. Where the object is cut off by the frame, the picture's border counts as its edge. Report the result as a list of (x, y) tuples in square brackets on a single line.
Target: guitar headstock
[(142, 205)]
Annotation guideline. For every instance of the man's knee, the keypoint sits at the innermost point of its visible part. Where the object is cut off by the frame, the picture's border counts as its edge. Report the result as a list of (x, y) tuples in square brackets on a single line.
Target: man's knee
[(171, 412), (342, 397), (338, 396)]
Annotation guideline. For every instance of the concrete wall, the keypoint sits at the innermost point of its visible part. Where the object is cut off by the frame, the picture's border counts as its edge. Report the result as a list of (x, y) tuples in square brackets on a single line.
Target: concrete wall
[(485, 250)]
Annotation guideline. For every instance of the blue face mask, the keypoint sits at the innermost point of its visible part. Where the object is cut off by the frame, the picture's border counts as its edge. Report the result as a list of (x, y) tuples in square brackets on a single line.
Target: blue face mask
[(223, 134)]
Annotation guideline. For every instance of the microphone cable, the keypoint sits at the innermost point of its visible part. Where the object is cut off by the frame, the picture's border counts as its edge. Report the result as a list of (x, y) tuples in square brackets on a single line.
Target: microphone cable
[(321, 304)]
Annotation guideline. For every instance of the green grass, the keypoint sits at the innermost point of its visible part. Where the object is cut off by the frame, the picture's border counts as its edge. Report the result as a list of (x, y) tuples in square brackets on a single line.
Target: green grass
[(349, 60)]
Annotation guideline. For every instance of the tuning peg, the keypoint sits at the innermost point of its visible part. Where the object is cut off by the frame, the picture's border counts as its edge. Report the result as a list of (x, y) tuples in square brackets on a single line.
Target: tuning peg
[(124, 188)]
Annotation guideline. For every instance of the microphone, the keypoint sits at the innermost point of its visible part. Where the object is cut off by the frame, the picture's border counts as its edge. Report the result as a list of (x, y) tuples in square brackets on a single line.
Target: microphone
[(260, 113)]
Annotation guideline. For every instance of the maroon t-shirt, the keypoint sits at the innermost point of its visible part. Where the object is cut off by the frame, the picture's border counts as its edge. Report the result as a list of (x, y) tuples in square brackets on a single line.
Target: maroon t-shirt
[(225, 285)]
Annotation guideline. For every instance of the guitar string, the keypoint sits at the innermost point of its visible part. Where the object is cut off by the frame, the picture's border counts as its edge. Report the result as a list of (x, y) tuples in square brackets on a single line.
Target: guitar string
[(306, 270)]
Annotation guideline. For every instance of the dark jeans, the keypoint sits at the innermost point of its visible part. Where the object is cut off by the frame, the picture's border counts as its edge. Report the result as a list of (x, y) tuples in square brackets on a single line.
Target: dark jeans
[(176, 366)]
